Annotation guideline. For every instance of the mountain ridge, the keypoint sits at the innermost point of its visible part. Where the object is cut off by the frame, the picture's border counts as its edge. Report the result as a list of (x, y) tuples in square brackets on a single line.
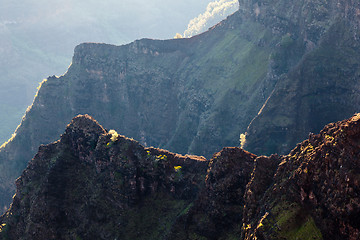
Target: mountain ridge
[(96, 183), (85, 147), (153, 104), (198, 95)]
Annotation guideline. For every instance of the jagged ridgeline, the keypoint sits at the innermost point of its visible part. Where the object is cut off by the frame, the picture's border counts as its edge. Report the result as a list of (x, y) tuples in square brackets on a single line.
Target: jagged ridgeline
[(94, 184), (274, 69)]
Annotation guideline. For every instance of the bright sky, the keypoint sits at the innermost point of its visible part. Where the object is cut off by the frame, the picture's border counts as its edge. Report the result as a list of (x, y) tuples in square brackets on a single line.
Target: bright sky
[(37, 37), (114, 21)]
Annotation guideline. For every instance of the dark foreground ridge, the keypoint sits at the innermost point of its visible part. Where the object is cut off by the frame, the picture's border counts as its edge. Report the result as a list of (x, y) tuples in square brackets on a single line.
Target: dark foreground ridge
[(273, 71), (94, 184)]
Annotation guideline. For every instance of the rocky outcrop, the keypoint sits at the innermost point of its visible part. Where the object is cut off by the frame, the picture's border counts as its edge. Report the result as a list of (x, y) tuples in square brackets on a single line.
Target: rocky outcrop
[(305, 18), (275, 69), (190, 96), (315, 190), (322, 85), (94, 183), (87, 184), (217, 212)]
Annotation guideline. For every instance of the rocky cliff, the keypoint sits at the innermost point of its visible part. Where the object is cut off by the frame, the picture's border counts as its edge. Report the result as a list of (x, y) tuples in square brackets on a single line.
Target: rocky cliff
[(186, 95), (275, 69), (94, 184), (322, 85), (315, 187), (98, 184)]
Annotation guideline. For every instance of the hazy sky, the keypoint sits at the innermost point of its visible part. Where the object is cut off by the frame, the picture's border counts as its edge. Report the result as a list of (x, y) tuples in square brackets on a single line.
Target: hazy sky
[(113, 18), (37, 37)]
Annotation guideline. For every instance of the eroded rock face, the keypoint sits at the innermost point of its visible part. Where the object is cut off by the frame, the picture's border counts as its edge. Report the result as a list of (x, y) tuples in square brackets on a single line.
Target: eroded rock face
[(217, 213), (322, 86), (280, 68), (191, 96), (315, 187), (94, 183), (275, 69), (87, 183)]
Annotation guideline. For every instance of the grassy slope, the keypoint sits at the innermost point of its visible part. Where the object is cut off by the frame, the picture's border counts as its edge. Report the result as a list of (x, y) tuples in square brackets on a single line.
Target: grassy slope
[(231, 73), (318, 91)]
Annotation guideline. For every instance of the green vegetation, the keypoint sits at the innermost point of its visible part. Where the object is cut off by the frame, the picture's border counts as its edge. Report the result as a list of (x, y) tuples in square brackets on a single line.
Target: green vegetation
[(226, 68), (286, 40), (229, 72), (178, 173), (4, 228), (154, 218), (177, 168), (289, 221), (186, 210), (319, 89), (282, 121), (161, 158), (195, 236)]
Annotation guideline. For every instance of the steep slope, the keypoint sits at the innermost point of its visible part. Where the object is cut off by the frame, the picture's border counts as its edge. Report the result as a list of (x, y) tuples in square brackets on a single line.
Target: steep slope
[(323, 86), (37, 38), (87, 184), (187, 95), (217, 212), (275, 69), (315, 190), (98, 184)]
